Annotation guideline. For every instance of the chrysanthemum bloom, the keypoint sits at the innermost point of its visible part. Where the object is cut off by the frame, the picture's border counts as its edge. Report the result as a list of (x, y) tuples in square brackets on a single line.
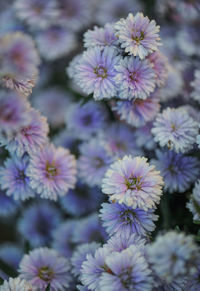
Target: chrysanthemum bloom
[(138, 112), (188, 41), (80, 254), (55, 42), (71, 69), (177, 170), (127, 270), (123, 220), (93, 162), (193, 283), (32, 137), (82, 200), (134, 182), (135, 78), (52, 172), (194, 203), (16, 284), (195, 84), (62, 238), (14, 178), (160, 66), (8, 205), (38, 14), (89, 229), (176, 129), (100, 36), (96, 72), (13, 113), (144, 137), (138, 35), (19, 62), (173, 256), (53, 104), (43, 266), (38, 223), (85, 120)]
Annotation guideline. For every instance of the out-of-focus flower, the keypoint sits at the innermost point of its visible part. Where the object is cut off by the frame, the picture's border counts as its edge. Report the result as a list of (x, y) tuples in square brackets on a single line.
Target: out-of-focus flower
[(138, 35), (194, 203), (93, 162), (138, 112), (14, 178), (134, 182), (95, 72), (43, 266), (85, 120), (53, 103), (11, 254), (135, 78), (38, 223), (123, 220), (52, 172), (193, 281), (19, 62), (177, 170), (55, 42), (67, 139), (195, 84), (31, 138), (188, 41), (144, 137), (173, 256), (160, 66), (16, 284), (8, 205), (176, 129), (100, 36)]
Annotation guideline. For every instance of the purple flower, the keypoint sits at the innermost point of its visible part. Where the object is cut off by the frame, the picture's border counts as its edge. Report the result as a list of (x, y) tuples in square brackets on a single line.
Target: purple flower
[(144, 137), (96, 72), (11, 254), (19, 61), (135, 78), (138, 35), (127, 270), (178, 171), (38, 223), (176, 129), (14, 178), (123, 220), (14, 284), (195, 84), (85, 120), (67, 139), (100, 36), (42, 266), (93, 162), (138, 112), (52, 172), (134, 182), (31, 138), (55, 42), (8, 205)]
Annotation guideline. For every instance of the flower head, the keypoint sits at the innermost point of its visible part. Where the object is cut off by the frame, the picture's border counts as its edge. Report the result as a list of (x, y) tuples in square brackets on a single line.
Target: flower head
[(8, 205), (138, 35), (43, 266), (176, 129), (134, 182), (196, 86), (52, 172), (135, 78), (16, 284), (96, 71)]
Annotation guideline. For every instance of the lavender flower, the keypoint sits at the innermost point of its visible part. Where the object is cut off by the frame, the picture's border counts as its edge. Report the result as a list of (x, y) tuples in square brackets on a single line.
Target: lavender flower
[(178, 171), (31, 138), (52, 172), (195, 84), (160, 67), (19, 61), (38, 223), (96, 72), (193, 281), (138, 112), (144, 137), (42, 266), (124, 220), (138, 35), (176, 129), (134, 182), (135, 78), (16, 284), (11, 254), (14, 178), (194, 202), (8, 206)]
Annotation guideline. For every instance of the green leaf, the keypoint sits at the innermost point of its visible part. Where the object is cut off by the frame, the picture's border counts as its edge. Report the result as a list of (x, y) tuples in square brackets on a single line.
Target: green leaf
[(8, 269), (48, 287), (1, 281), (177, 228)]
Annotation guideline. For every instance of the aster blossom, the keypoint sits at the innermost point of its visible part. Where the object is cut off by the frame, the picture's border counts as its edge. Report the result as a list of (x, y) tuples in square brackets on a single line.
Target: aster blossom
[(96, 71), (138, 35), (176, 129), (195, 84), (134, 182), (52, 172), (43, 266), (16, 284), (135, 78), (160, 66)]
